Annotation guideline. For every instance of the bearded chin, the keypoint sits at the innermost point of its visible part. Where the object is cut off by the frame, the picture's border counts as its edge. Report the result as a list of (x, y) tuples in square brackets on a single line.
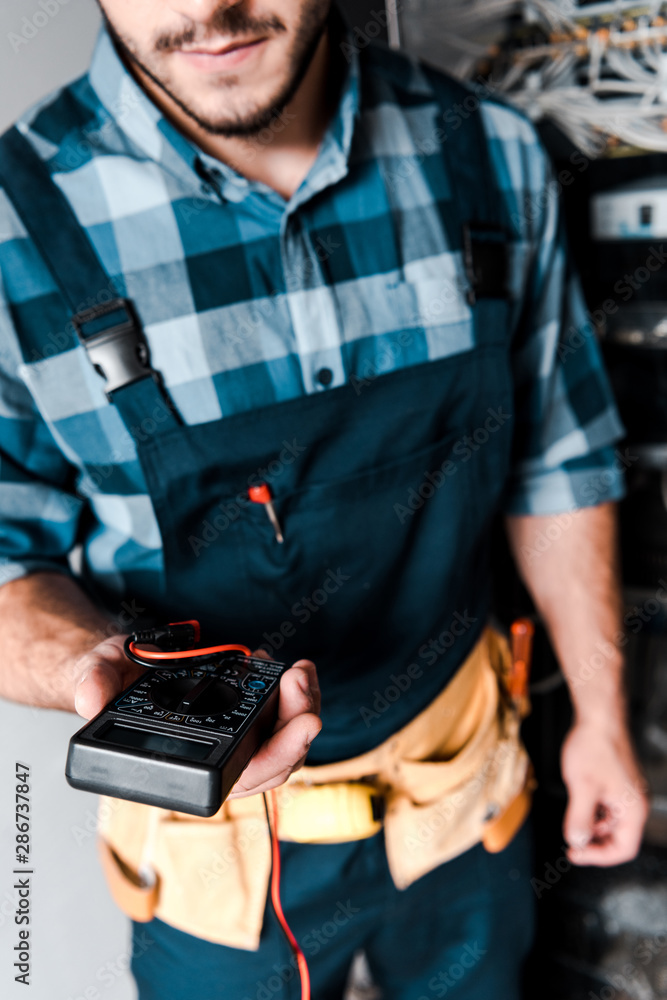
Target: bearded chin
[(253, 121)]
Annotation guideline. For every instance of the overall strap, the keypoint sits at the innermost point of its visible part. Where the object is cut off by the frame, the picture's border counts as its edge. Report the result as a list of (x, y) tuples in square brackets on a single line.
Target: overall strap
[(477, 218), (466, 148), (110, 331)]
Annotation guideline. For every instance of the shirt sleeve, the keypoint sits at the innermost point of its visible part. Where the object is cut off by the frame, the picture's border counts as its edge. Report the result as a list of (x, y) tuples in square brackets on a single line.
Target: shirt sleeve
[(39, 508), (564, 454)]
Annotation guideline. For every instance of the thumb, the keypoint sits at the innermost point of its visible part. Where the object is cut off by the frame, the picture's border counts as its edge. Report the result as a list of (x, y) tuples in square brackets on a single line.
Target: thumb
[(97, 686), (579, 822), (100, 675)]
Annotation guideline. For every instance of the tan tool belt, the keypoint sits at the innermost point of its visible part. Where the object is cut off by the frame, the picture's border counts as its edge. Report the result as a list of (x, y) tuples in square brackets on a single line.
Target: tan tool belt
[(456, 775)]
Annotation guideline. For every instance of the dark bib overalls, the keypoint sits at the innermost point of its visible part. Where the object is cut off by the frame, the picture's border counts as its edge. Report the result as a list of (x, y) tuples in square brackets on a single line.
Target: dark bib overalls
[(385, 489)]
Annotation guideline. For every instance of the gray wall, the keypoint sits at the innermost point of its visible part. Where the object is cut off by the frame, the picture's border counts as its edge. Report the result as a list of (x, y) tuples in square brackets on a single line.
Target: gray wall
[(41, 47), (78, 939)]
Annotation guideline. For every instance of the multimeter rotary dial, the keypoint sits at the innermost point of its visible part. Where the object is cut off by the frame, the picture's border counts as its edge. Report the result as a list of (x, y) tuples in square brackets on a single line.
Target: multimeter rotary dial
[(195, 693)]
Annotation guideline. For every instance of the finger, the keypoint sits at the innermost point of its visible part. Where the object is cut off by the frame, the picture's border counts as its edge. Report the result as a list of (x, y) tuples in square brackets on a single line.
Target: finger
[(604, 823), (603, 828), (619, 845), (279, 757), (103, 673), (602, 855), (260, 654), (240, 792), (311, 670), (313, 680), (100, 682), (628, 831), (580, 815), (296, 693)]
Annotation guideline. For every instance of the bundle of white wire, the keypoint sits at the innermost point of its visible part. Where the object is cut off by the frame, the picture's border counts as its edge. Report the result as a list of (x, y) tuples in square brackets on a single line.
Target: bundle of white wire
[(601, 76)]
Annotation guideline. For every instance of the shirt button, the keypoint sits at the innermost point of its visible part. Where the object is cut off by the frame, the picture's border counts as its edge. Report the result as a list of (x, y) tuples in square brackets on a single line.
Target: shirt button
[(324, 376)]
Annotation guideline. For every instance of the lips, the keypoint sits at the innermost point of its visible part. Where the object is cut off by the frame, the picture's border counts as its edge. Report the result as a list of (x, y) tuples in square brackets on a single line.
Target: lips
[(223, 57), (224, 49)]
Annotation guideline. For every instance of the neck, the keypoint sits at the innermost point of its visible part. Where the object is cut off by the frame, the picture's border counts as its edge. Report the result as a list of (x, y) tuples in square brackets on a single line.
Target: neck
[(281, 154)]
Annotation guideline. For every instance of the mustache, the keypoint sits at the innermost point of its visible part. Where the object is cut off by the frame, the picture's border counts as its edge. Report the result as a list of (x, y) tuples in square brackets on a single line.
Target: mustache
[(228, 21)]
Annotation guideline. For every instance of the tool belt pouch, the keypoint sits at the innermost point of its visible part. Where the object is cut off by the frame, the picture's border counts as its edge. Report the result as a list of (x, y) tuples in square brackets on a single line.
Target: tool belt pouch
[(456, 775), (211, 875), (473, 783)]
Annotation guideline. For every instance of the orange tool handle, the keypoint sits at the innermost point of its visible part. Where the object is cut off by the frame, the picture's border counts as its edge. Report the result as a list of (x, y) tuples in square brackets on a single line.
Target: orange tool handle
[(521, 631)]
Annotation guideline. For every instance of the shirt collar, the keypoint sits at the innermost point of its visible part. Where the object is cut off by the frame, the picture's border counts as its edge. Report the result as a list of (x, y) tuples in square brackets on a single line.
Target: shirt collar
[(135, 114)]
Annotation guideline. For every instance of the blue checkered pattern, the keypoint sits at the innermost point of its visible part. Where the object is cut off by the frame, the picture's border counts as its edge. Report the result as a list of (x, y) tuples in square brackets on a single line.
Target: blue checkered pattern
[(245, 299)]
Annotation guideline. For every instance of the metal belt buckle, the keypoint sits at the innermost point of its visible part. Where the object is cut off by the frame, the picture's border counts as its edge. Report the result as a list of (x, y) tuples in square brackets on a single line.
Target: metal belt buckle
[(114, 341)]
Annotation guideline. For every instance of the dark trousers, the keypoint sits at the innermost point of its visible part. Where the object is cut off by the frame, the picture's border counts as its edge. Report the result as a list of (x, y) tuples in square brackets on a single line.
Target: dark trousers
[(462, 931)]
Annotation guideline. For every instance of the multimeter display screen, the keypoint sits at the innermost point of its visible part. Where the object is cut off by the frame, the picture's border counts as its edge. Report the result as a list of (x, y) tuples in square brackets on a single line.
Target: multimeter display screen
[(142, 739)]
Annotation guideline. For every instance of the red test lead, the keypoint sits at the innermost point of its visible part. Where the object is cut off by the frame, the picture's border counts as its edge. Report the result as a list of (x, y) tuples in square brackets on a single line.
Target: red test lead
[(262, 494)]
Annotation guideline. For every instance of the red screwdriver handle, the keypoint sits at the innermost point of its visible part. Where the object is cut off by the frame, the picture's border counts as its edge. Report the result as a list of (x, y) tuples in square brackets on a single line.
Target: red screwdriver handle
[(260, 493)]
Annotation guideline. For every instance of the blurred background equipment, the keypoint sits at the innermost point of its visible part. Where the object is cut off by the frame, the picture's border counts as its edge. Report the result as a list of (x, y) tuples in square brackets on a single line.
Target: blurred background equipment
[(599, 71), (593, 79)]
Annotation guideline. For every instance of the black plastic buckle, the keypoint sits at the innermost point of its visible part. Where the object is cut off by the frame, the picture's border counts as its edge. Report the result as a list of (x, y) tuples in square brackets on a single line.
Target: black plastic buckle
[(117, 350), (486, 262)]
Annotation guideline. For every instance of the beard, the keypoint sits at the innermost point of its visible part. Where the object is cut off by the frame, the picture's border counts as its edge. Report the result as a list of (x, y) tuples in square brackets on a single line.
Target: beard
[(231, 22)]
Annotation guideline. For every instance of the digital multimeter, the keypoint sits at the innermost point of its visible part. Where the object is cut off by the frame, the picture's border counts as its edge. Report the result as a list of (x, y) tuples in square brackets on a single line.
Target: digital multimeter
[(179, 737)]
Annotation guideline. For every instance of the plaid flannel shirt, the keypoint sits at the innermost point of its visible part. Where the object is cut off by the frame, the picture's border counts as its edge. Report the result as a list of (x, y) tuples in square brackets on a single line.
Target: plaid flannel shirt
[(246, 300)]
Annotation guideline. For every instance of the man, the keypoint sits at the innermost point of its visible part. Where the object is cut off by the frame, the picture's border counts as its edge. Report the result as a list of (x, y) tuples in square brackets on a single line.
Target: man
[(352, 282)]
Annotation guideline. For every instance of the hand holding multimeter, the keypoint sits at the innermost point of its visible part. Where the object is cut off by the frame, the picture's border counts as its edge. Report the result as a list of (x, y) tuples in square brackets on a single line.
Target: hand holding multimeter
[(184, 731)]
